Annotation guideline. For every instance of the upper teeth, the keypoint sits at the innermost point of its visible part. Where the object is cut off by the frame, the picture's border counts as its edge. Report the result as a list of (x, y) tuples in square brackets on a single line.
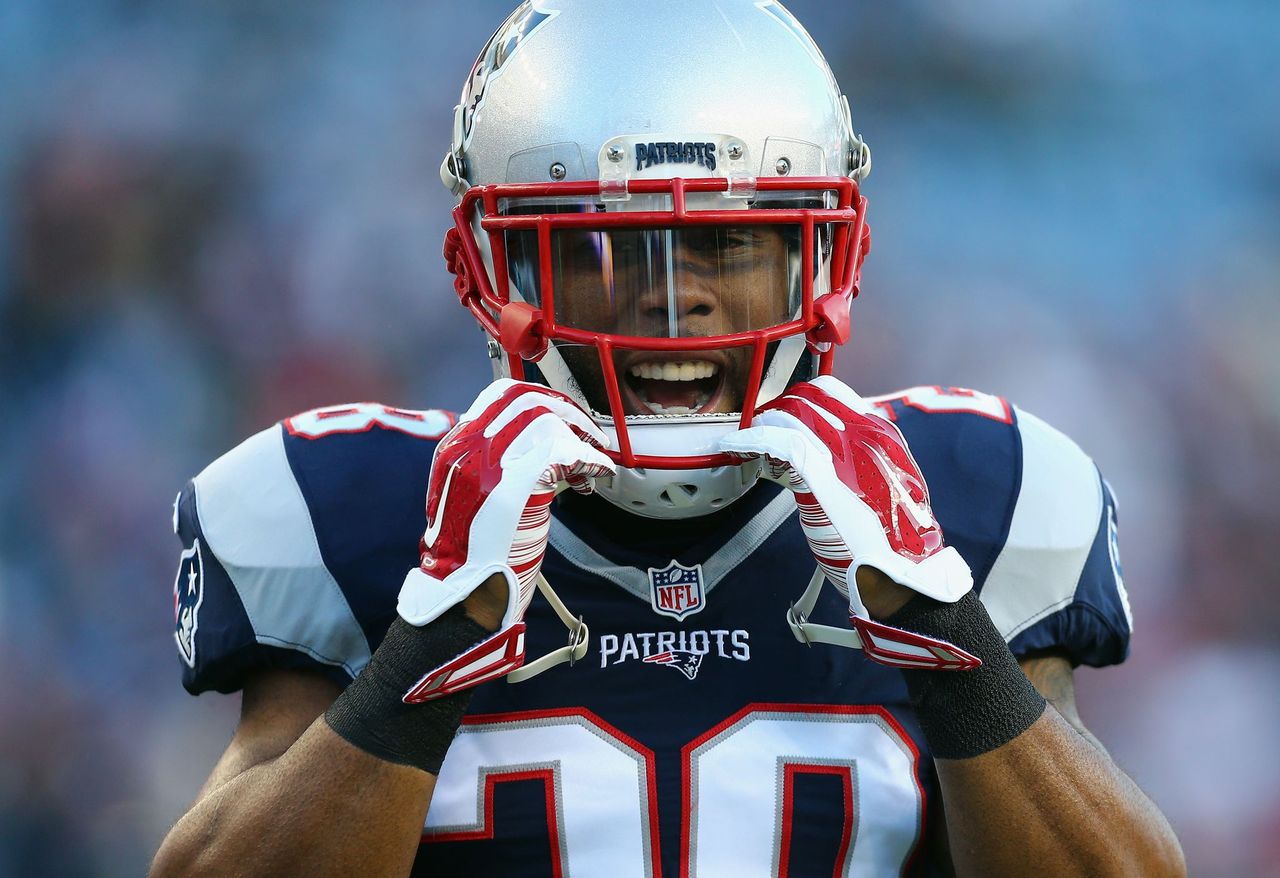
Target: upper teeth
[(685, 370)]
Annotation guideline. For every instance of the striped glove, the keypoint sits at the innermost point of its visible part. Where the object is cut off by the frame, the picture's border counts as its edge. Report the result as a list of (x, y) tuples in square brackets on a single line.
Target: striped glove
[(862, 502), (489, 511)]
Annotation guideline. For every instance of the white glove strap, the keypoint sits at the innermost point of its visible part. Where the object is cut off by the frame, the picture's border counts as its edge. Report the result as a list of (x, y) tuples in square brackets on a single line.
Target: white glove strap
[(503, 655)]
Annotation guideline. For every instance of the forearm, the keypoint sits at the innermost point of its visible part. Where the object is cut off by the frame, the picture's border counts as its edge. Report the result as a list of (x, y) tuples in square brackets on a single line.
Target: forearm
[(1024, 790), (349, 795), (1051, 802), (324, 807)]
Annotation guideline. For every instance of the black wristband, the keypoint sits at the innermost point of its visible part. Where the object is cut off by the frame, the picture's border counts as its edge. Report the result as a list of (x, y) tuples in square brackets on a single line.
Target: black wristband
[(371, 713), (967, 713)]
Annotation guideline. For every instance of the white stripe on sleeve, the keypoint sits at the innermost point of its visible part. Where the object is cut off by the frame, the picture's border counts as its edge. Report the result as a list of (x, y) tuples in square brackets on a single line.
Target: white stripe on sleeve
[(1055, 520), (256, 521)]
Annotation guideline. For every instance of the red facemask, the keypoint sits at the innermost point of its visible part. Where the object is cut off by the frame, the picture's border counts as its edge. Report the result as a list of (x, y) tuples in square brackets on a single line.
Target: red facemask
[(643, 291)]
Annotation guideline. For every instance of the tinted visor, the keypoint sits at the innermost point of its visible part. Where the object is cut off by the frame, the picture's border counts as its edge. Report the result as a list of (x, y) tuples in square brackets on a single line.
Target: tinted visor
[(665, 283), (691, 281)]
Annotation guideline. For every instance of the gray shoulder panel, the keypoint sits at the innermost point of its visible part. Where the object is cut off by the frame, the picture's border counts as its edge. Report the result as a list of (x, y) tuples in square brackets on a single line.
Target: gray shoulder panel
[(256, 521), (1055, 519)]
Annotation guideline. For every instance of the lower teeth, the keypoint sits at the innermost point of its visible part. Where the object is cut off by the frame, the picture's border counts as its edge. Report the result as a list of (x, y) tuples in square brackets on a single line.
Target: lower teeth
[(659, 409)]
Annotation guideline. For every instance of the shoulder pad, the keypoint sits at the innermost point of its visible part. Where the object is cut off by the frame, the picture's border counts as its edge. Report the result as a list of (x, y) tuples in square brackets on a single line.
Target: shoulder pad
[(255, 523), (304, 533), (1029, 512), (1056, 582)]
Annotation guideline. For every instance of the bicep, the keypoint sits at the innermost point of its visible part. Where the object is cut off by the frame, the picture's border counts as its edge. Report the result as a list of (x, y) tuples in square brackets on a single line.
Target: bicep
[(276, 707)]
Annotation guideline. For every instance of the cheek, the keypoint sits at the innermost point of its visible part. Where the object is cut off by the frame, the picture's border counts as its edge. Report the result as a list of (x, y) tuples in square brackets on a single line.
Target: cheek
[(760, 299), (580, 300)]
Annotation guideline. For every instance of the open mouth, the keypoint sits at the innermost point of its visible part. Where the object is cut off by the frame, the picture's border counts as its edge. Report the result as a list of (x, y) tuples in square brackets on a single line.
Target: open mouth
[(673, 387)]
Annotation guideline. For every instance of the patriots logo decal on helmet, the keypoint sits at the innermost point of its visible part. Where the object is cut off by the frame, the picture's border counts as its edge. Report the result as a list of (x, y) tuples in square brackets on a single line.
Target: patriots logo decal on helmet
[(501, 46)]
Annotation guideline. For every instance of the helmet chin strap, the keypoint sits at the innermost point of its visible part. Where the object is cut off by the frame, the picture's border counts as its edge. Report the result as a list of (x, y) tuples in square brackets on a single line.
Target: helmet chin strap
[(579, 639)]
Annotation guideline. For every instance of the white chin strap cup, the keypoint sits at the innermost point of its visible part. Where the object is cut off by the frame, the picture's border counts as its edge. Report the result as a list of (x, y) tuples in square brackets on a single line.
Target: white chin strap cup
[(883, 644)]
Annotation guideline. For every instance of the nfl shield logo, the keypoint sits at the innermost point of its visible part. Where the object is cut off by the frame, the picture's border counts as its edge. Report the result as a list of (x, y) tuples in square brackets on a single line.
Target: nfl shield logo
[(676, 590)]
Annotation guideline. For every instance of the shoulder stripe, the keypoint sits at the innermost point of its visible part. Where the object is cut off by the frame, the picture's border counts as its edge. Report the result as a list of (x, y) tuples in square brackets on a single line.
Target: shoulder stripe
[(1052, 530), (257, 523)]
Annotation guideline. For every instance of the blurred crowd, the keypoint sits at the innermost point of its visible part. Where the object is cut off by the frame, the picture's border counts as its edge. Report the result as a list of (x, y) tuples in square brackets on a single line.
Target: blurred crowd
[(215, 215)]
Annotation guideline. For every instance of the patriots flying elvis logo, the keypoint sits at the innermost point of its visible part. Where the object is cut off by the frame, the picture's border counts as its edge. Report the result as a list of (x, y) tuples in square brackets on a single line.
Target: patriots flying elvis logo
[(676, 590), (683, 661), (510, 36)]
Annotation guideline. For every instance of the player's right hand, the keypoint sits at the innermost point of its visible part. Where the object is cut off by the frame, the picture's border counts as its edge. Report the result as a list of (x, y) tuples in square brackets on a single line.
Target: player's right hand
[(488, 512)]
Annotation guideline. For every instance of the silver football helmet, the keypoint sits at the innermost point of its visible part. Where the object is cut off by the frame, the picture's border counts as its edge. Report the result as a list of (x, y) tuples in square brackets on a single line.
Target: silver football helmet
[(658, 214)]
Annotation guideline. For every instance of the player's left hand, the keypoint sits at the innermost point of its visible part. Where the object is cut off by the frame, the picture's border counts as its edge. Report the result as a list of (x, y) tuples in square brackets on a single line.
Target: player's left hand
[(863, 504)]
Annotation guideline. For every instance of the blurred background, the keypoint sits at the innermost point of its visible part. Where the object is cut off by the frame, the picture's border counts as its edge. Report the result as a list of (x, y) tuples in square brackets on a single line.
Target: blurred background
[(213, 215)]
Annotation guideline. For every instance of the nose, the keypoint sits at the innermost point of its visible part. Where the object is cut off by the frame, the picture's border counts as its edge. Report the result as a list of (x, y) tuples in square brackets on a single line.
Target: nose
[(687, 289), (681, 298), (682, 306)]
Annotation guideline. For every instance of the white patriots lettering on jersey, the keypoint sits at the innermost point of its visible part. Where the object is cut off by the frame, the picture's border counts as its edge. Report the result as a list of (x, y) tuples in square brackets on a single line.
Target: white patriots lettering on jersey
[(722, 642)]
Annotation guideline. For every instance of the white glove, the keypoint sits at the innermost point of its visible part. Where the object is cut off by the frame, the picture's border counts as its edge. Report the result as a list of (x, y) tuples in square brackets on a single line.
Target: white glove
[(489, 511), (862, 502)]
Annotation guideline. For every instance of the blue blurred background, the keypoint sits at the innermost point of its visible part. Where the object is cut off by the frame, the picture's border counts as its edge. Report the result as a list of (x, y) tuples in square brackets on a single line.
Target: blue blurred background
[(213, 215)]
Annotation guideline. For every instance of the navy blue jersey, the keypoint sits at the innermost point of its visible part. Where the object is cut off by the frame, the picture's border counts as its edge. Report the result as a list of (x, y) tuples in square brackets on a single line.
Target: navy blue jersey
[(698, 736)]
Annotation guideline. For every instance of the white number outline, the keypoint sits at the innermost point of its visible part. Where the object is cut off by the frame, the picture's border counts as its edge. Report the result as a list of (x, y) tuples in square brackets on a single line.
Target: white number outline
[(549, 774), (926, 398), (364, 416), (785, 820), (789, 767), (887, 723)]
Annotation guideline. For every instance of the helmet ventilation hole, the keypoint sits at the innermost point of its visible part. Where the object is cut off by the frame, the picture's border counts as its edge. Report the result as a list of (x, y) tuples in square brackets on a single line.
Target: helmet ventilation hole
[(679, 495)]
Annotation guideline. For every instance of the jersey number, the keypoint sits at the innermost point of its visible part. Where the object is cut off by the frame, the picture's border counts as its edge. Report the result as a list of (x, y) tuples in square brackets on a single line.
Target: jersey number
[(364, 416), (741, 808), (937, 400)]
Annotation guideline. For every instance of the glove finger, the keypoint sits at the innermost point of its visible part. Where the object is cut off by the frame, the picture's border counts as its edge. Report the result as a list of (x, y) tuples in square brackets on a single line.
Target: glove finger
[(486, 398), (789, 443), (581, 484), (573, 416), (581, 477), (571, 458), (843, 393), (533, 396), (549, 449)]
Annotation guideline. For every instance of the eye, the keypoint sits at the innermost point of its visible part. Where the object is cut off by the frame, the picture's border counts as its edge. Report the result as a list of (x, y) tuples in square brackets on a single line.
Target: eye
[(739, 243)]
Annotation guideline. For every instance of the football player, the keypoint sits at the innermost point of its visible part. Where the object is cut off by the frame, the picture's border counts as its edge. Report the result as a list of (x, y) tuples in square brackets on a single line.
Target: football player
[(810, 633)]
